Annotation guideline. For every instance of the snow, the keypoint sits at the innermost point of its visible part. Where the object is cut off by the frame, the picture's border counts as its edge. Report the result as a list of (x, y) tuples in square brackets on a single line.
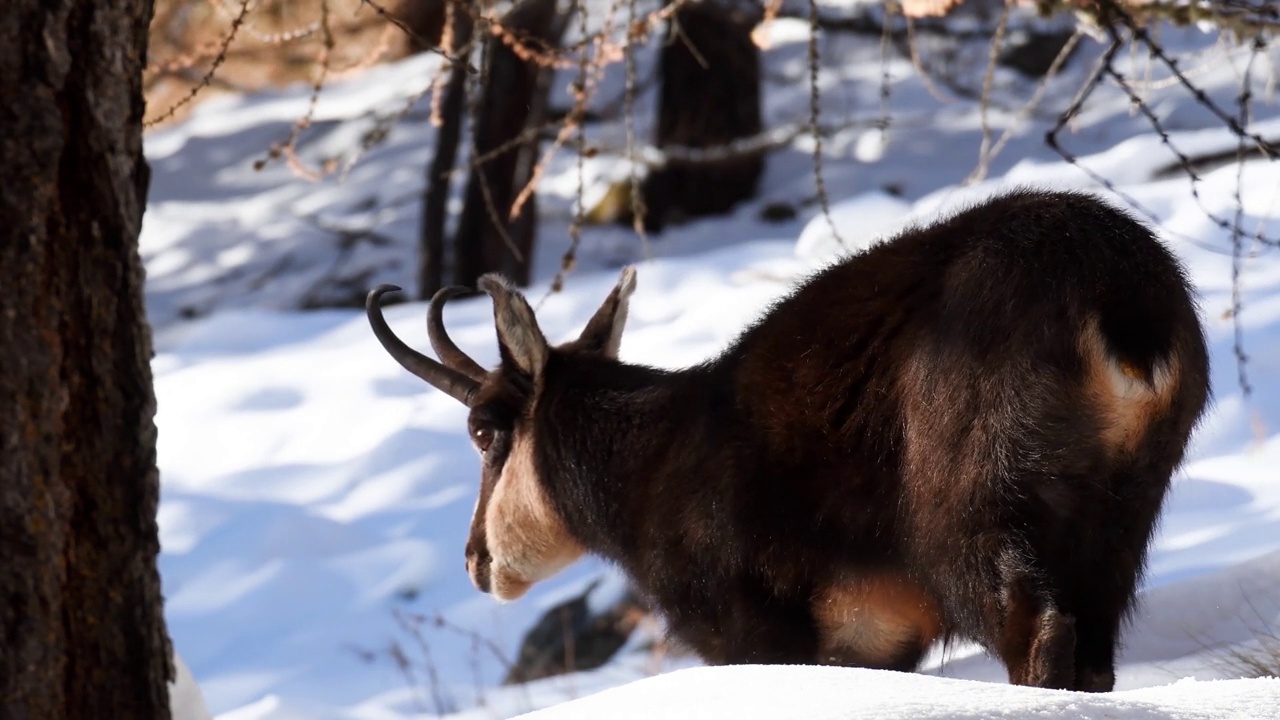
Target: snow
[(186, 702), (316, 498), (863, 221), (821, 693)]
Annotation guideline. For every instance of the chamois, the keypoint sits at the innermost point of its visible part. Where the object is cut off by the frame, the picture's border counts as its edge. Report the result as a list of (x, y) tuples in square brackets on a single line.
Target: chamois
[(965, 431)]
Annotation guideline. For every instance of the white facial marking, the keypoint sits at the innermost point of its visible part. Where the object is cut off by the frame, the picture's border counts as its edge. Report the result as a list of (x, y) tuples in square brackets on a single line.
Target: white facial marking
[(527, 540)]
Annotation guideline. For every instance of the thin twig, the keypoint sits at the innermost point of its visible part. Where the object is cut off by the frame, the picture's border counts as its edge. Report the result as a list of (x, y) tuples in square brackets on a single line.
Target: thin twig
[(1100, 70), (1142, 35), (412, 625), (913, 52), (1165, 139), (1054, 68), (605, 54), (886, 79), (1237, 245), (569, 259), (422, 42), (289, 148), (988, 81), (638, 209), (218, 59), (277, 37), (814, 110)]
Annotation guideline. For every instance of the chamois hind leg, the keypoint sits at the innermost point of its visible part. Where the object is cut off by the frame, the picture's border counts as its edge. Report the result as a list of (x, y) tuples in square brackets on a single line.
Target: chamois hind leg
[(1096, 635), (1102, 600), (1051, 656), (1034, 638)]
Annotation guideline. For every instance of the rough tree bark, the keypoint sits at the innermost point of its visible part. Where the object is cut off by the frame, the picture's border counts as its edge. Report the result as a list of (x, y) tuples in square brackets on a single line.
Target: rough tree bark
[(710, 96), (513, 100), (81, 630)]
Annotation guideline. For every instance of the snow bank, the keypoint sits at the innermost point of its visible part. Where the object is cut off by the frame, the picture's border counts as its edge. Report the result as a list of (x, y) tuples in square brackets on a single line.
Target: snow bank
[(823, 693), (186, 702), (862, 221)]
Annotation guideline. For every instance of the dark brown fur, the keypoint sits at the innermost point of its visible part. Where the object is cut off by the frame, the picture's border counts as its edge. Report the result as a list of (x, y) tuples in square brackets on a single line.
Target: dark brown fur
[(918, 434)]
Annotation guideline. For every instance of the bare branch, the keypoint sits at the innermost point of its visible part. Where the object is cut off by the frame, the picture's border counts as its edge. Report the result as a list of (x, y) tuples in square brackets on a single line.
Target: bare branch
[(988, 80), (218, 59), (814, 97)]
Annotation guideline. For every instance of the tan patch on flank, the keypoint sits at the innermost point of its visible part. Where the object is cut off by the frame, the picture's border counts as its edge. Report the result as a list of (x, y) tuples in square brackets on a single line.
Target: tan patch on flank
[(869, 621), (527, 540), (1127, 402)]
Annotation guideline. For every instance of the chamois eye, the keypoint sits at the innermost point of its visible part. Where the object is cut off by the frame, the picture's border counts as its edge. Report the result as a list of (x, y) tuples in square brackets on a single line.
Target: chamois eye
[(483, 438)]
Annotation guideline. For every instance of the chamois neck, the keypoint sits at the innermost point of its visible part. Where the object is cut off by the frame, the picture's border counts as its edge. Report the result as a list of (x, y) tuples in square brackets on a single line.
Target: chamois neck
[(615, 439)]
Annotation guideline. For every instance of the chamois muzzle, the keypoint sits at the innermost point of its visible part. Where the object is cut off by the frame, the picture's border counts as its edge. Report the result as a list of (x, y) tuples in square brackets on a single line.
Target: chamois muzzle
[(479, 563), (458, 384)]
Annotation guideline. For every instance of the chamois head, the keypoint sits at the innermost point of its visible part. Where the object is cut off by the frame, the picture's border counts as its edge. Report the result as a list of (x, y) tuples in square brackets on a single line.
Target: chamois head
[(516, 538)]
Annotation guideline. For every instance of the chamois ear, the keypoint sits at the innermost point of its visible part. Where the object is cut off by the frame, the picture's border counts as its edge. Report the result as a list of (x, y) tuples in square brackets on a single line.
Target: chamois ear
[(520, 341), (603, 333)]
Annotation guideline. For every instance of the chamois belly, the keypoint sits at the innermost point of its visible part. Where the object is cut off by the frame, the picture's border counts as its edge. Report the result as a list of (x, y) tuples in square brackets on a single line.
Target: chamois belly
[(880, 620)]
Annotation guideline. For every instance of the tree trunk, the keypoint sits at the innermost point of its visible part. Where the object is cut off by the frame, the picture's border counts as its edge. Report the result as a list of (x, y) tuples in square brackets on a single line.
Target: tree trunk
[(513, 101), (709, 97), (439, 173), (81, 630)]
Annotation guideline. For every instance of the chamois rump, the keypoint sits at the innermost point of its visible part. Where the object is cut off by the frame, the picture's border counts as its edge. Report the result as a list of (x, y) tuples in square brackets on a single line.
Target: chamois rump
[(966, 431)]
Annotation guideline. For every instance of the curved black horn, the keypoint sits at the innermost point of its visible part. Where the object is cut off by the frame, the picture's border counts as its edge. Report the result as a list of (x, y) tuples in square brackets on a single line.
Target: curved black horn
[(449, 353), (457, 385)]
